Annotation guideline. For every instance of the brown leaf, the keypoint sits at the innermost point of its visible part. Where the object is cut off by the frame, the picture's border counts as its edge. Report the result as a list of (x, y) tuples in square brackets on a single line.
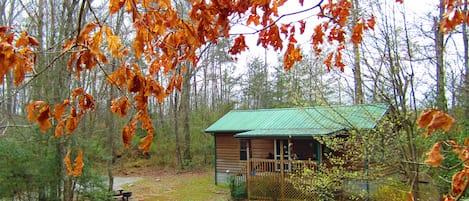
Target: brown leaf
[(72, 122), (434, 119), (434, 157), (115, 5), (78, 164), (59, 129), (59, 109), (426, 117), (42, 118), (410, 196), (128, 133), (459, 182), (447, 198), (442, 121)]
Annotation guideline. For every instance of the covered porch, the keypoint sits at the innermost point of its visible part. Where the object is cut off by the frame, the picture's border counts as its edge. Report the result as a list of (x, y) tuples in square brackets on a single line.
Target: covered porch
[(267, 170)]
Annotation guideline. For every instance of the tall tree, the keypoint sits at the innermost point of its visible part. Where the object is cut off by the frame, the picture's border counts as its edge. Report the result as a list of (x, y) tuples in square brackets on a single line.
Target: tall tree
[(441, 101), (359, 97)]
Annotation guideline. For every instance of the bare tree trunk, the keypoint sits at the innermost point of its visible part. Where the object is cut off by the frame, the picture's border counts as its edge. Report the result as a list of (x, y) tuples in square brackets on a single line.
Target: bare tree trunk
[(180, 163), (441, 101), (185, 108), (357, 72), (465, 99)]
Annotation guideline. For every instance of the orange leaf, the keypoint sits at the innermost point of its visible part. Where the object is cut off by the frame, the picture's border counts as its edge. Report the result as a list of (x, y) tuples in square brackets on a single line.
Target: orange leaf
[(302, 26), (434, 156), (42, 118), (434, 119), (78, 164), (115, 5), (239, 45), (426, 117), (31, 108), (23, 40), (84, 33), (410, 196), (371, 22), (72, 122), (145, 143), (128, 132), (77, 92), (114, 43), (59, 129), (448, 198), (120, 106), (178, 84), (59, 109), (442, 121), (357, 33), (459, 182), (86, 102)]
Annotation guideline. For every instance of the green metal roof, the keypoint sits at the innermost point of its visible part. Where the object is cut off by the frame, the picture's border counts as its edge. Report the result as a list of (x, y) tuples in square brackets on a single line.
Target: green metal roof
[(296, 122), (268, 133)]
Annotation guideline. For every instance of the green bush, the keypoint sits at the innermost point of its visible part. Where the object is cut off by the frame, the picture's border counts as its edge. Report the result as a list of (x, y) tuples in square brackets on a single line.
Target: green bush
[(237, 188)]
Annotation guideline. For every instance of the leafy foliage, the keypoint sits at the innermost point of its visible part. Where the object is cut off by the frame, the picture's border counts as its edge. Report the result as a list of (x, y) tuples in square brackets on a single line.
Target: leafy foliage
[(165, 40), (441, 120)]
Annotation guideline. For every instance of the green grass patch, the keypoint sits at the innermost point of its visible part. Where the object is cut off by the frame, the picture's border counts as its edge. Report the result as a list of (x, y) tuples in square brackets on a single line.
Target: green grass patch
[(183, 186)]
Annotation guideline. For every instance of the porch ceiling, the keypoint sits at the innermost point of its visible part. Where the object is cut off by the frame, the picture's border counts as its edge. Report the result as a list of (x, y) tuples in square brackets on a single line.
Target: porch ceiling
[(286, 133)]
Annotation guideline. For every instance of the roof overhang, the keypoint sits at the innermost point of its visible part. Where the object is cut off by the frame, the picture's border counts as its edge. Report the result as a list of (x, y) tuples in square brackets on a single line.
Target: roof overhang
[(287, 133)]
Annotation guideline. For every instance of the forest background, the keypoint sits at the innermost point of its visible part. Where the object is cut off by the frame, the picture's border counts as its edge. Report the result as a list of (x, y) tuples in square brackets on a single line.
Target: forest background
[(405, 57)]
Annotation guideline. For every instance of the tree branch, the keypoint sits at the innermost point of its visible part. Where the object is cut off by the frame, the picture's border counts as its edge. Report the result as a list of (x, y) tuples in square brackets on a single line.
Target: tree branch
[(278, 19)]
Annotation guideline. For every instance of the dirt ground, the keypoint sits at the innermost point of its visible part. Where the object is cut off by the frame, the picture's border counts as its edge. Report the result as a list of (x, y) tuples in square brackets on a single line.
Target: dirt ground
[(171, 185)]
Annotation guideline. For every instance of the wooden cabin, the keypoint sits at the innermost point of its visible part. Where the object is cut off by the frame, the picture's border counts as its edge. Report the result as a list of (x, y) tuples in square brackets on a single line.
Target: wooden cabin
[(281, 140)]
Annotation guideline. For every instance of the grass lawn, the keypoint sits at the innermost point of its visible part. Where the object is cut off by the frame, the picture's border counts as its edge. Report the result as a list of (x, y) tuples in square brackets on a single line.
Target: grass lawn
[(178, 186)]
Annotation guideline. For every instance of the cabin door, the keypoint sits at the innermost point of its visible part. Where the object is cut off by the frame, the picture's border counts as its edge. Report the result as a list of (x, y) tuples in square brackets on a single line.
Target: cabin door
[(282, 145)]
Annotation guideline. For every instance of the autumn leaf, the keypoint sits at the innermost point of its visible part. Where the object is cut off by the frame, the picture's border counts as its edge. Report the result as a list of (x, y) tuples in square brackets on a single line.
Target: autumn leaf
[(84, 33), (77, 168), (448, 198), (25, 40), (426, 117), (42, 118), (302, 26), (78, 91), (59, 109), (114, 43), (59, 128), (459, 182), (434, 119), (145, 143), (72, 122), (86, 102), (410, 196), (120, 106), (178, 83), (434, 157), (115, 5), (128, 132), (239, 45), (371, 22), (357, 33)]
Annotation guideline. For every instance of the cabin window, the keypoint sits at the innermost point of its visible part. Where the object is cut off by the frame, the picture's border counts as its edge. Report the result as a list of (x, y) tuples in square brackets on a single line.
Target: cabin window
[(243, 149)]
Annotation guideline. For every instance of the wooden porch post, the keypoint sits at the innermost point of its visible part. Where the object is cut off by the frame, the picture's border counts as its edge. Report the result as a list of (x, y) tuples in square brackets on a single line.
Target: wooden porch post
[(282, 169), (319, 154), (248, 168)]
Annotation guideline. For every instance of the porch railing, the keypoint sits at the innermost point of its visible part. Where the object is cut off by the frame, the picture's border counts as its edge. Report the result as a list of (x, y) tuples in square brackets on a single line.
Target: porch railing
[(259, 166), (267, 180)]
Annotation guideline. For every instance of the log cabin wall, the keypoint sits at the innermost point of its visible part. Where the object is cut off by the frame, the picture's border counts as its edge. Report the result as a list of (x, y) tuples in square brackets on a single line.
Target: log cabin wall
[(227, 157), (228, 154), (262, 147)]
